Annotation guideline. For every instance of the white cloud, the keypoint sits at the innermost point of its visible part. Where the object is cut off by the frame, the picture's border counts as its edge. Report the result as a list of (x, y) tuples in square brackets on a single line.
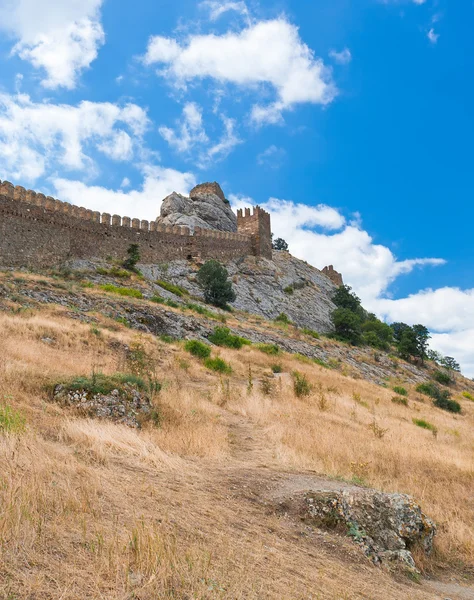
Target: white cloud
[(343, 57), (217, 9), (190, 137), (35, 137), (143, 203), (267, 53), (433, 36), (62, 38), (272, 157)]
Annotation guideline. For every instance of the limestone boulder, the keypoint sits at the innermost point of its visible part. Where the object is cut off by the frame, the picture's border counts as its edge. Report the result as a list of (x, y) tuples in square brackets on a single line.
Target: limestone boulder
[(206, 207)]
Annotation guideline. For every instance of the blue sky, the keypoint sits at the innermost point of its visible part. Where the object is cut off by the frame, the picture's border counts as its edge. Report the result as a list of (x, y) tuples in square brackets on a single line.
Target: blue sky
[(351, 121)]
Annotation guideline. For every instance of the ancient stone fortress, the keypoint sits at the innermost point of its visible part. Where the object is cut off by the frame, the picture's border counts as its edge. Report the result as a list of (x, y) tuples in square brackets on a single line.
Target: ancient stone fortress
[(38, 231)]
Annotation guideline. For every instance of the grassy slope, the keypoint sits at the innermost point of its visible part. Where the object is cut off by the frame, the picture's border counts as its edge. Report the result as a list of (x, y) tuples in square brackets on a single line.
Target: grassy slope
[(95, 510)]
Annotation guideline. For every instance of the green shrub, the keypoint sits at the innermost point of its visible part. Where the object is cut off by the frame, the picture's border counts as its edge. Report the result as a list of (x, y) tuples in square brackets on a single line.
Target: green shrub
[(223, 337), (172, 304), (283, 318), (177, 290), (289, 290), (198, 349), (272, 349), (429, 389), (468, 396), (400, 400), (167, 339), (401, 391), (425, 425), (321, 363), (121, 291), (443, 378), (276, 368), (301, 385), (114, 272), (202, 310), (219, 365), (98, 383), (213, 278), (311, 333), (11, 421), (447, 404), (441, 398), (157, 299), (133, 257)]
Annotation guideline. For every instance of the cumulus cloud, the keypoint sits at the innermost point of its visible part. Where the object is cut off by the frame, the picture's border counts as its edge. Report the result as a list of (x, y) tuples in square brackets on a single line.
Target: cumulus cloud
[(37, 136), (217, 9), (343, 57), (142, 203), (190, 138), (61, 38), (267, 54)]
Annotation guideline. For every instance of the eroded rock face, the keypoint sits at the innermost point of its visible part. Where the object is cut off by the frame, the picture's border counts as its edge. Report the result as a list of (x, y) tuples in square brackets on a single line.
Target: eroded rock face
[(206, 207), (386, 526)]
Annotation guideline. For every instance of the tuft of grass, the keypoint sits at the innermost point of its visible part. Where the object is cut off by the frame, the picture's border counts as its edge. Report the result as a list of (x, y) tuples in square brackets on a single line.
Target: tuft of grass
[(121, 291), (468, 396), (99, 383), (11, 421), (222, 336), (157, 299), (114, 272), (425, 425), (177, 290), (301, 385), (321, 363), (401, 391), (219, 365), (272, 349), (283, 318), (198, 349), (311, 333), (276, 368), (400, 400), (289, 290), (167, 339), (201, 310), (172, 304)]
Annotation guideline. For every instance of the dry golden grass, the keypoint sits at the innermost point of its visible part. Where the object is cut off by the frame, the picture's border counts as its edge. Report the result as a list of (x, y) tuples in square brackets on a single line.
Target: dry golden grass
[(92, 509)]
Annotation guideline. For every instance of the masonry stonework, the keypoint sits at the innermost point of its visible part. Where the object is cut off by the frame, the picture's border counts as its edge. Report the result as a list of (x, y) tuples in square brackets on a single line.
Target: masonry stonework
[(333, 275), (39, 231)]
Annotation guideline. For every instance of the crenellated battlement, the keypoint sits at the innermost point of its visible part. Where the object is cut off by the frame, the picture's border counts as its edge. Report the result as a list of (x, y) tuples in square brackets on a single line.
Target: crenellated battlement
[(39, 230), (257, 226)]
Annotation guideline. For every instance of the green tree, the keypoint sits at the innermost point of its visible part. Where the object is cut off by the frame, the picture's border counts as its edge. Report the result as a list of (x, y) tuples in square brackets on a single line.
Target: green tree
[(407, 345), (377, 333), (347, 325), (422, 337), (450, 363), (280, 244), (212, 277), (344, 297), (398, 330), (133, 258)]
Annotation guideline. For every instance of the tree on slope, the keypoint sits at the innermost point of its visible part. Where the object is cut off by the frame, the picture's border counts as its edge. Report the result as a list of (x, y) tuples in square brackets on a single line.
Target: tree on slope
[(213, 279)]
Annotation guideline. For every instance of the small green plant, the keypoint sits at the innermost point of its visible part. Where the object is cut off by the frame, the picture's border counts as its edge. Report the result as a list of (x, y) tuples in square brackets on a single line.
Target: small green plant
[(271, 349), (426, 425), (98, 383), (311, 333), (177, 290), (167, 339), (468, 396), (400, 400), (198, 349), (172, 304), (321, 363), (133, 257), (401, 391), (11, 421), (443, 378), (276, 368), (121, 291), (302, 358), (157, 299), (95, 331), (222, 336), (301, 385), (123, 321), (283, 318), (114, 272), (202, 310), (219, 365), (289, 290)]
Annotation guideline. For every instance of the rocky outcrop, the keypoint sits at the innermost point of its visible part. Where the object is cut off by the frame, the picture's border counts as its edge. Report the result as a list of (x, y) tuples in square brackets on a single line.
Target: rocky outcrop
[(386, 526), (206, 207)]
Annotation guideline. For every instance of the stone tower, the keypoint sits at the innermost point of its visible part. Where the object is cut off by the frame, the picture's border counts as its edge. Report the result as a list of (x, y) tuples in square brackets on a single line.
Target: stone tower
[(257, 226)]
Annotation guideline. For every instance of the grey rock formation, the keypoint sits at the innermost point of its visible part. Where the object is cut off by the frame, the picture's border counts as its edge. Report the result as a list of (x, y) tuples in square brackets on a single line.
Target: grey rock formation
[(386, 526), (206, 207)]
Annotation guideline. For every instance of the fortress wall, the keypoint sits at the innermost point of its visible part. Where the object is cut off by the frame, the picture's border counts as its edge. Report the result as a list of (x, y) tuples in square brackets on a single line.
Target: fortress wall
[(257, 227), (39, 231)]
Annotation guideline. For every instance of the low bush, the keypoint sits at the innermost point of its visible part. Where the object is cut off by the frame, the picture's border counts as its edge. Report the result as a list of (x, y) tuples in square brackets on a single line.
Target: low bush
[(400, 400), (289, 290), (272, 349), (11, 421), (276, 368), (219, 365), (121, 291), (301, 385), (447, 404), (428, 389), (157, 299), (222, 336), (177, 290), (441, 398), (425, 425), (172, 304), (311, 333), (283, 318), (114, 272), (443, 378), (198, 349), (167, 339), (401, 391)]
